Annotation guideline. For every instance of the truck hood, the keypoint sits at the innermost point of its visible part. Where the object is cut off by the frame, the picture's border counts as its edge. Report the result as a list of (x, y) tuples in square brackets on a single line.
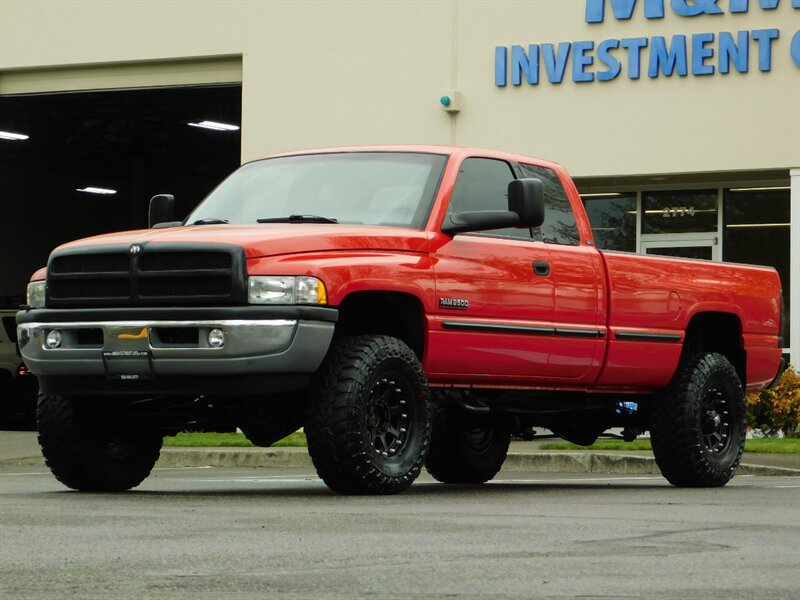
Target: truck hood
[(272, 239)]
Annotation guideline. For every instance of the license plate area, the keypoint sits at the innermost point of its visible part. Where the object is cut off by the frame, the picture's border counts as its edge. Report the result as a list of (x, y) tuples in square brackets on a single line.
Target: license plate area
[(131, 365)]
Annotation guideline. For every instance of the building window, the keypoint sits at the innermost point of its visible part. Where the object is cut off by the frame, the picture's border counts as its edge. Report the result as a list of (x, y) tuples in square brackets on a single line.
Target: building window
[(757, 232), (679, 211), (613, 220)]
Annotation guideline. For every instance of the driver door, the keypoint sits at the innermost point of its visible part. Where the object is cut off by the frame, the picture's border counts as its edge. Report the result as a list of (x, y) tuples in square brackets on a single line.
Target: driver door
[(494, 291)]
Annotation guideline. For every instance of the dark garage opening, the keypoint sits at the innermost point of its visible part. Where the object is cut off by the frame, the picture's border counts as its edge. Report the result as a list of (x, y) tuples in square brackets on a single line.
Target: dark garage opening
[(137, 142)]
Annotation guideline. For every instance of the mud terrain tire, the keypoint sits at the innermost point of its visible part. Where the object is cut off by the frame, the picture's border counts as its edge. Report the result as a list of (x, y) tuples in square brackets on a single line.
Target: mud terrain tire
[(91, 450), (369, 419), (465, 448), (698, 426)]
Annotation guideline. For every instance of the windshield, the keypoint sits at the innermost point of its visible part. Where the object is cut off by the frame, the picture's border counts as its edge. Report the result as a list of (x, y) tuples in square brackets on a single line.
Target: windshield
[(371, 188)]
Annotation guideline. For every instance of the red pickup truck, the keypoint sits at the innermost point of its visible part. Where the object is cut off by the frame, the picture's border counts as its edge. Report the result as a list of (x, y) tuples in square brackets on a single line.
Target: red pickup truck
[(410, 307)]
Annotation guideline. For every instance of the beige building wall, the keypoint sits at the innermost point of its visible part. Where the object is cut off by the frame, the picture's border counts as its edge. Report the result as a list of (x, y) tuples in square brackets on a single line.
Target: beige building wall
[(342, 73)]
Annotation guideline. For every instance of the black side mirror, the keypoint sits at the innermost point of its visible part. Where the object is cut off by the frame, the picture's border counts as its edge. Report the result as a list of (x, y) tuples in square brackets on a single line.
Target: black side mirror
[(162, 211), (526, 198)]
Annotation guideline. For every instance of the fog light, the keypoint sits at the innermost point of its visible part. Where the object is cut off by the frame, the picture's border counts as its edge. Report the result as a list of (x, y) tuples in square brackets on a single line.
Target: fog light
[(53, 339), (216, 338)]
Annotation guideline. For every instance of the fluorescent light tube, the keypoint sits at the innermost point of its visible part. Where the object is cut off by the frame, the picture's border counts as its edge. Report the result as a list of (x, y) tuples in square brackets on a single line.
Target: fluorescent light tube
[(7, 135), (215, 126), (96, 190)]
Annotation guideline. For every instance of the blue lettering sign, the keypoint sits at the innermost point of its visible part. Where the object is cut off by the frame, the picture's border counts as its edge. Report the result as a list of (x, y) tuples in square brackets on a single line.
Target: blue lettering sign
[(634, 47), (765, 37), (708, 53), (500, 68), (604, 56), (555, 64), (622, 9), (580, 61), (795, 48), (654, 9), (685, 8), (738, 52), (741, 6), (527, 63), (701, 52), (668, 61)]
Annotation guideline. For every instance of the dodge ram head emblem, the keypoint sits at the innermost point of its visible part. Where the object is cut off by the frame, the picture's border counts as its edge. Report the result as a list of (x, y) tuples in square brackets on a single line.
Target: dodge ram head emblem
[(135, 249)]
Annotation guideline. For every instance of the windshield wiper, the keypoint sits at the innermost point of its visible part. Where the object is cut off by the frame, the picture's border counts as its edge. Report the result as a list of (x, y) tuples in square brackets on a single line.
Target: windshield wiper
[(298, 219), (211, 221)]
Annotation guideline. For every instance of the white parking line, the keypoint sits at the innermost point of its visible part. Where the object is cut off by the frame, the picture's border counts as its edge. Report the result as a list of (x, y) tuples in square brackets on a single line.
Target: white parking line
[(580, 479), (271, 479)]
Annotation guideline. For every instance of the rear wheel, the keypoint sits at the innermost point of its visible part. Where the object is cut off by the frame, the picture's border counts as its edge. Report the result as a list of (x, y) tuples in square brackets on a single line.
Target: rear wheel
[(90, 447), (465, 448), (698, 427), (369, 422)]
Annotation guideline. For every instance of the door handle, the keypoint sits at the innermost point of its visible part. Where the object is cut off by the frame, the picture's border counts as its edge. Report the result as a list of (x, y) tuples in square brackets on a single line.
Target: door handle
[(541, 267)]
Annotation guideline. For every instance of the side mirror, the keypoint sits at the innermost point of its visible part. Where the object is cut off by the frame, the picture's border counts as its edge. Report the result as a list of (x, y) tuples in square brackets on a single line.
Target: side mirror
[(525, 209), (162, 210), (526, 198)]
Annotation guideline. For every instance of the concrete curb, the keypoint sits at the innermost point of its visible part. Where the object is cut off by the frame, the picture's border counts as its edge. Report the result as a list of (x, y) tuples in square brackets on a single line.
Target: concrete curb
[(542, 462)]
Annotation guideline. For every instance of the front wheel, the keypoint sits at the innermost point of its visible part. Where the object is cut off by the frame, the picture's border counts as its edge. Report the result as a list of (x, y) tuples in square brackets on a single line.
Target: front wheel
[(369, 422), (698, 427), (89, 447)]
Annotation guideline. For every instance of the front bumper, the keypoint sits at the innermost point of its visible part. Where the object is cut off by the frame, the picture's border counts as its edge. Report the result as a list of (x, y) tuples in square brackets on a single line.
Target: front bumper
[(141, 345)]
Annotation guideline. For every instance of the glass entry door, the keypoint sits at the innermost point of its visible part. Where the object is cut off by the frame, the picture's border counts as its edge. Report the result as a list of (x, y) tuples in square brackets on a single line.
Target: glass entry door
[(681, 223), (706, 249)]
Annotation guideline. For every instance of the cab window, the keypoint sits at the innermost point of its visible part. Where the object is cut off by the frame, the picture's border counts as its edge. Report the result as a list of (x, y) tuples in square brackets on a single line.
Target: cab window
[(559, 225), (482, 184)]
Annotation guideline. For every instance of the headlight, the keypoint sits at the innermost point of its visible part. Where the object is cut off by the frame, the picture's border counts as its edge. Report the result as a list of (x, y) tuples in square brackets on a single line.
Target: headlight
[(285, 290), (36, 294)]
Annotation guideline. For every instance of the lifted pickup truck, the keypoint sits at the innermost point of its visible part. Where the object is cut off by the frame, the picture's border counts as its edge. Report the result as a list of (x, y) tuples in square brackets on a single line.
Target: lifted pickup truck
[(410, 307)]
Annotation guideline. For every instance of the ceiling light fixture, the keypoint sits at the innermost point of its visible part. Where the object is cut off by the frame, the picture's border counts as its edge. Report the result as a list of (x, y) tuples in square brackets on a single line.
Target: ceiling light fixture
[(95, 190), (7, 135), (213, 125), (761, 189), (742, 225)]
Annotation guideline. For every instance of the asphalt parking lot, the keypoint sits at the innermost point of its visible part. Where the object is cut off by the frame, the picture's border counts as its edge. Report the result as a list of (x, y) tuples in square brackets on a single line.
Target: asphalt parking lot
[(279, 533)]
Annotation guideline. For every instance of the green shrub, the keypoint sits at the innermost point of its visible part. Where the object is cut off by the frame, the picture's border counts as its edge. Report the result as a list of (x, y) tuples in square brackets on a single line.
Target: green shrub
[(777, 409)]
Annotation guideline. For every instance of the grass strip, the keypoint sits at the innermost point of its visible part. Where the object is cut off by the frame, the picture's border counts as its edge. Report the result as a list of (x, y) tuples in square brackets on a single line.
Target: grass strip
[(227, 440)]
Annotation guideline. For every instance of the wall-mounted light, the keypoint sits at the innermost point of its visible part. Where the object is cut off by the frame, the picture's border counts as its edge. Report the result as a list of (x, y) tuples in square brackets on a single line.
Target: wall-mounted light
[(7, 135), (215, 126), (95, 190), (450, 101)]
